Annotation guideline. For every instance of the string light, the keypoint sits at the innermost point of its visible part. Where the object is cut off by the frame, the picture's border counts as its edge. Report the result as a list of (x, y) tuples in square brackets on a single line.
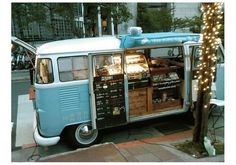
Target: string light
[(212, 15)]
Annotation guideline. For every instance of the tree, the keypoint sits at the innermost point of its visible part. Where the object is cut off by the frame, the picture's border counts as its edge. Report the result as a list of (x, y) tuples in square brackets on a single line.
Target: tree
[(118, 11), (179, 23), (69, 11), (159, 20), (211, 20), (17, 11), (26, 13), (195, 23), (44, 13), (50, 7)]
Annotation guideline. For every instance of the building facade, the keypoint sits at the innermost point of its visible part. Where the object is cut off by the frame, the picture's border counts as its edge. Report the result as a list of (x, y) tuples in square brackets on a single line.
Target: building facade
[(183, 10)]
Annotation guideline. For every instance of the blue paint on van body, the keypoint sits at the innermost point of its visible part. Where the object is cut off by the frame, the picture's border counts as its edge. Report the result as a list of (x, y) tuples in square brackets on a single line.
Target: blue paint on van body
[(62, 106)]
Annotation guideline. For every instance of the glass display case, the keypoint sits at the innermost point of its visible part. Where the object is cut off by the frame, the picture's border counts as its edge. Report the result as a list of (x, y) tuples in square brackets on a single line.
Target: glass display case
[(137, 70), (137, 67)]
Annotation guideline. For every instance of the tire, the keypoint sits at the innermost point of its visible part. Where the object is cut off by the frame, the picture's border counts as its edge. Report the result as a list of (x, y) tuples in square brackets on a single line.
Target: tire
[(82, 135)]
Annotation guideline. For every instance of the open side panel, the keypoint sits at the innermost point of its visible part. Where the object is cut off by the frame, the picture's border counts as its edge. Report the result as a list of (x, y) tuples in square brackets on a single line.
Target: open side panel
[(159, 89), (195, 60), (107, 87)]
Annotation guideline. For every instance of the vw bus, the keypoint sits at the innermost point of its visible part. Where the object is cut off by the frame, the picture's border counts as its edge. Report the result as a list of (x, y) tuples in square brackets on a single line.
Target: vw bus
[(89, 84)]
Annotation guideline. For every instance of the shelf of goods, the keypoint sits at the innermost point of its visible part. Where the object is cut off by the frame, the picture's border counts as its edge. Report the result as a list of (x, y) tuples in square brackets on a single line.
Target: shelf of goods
[(166, 88)]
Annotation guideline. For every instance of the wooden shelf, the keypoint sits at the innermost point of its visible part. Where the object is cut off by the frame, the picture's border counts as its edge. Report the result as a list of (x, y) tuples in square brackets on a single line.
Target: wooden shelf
[(140, 101), (167, 105), (161, 70)]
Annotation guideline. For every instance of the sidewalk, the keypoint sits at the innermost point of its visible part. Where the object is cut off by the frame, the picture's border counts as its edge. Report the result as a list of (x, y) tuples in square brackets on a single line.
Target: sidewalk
[(157, 149), (161, 149)]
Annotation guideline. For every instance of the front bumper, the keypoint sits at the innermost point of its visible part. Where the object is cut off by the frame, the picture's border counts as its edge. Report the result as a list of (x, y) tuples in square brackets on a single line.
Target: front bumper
[(43, 141)]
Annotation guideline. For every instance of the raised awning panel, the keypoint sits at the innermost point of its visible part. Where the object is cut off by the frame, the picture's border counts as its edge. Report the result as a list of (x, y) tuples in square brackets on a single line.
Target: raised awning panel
[(151, 39)]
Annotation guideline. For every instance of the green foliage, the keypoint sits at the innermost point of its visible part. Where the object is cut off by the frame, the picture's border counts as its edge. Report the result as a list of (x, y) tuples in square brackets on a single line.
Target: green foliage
[(119, 12), (25, 13), (28, 13), (159, 20), (194, 24)]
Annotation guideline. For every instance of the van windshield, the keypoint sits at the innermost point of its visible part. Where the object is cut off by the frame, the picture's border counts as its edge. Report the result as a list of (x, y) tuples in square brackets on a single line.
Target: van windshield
[(44, 74)]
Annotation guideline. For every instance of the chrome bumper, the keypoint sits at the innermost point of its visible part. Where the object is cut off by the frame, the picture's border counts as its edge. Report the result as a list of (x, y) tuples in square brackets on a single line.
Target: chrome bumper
[(43, 141)]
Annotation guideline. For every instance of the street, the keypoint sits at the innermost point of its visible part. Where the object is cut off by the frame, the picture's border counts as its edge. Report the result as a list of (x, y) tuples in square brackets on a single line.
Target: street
[(19, 88)]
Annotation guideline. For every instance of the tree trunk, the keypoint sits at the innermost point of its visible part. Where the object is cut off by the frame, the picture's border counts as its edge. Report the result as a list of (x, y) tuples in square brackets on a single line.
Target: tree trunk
[(206, 67), (201, 118)]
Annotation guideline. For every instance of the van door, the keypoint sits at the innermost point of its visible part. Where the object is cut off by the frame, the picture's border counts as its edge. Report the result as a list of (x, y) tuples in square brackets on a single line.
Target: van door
[(107, 88), (25, 51), (28, 53), (195, 54)]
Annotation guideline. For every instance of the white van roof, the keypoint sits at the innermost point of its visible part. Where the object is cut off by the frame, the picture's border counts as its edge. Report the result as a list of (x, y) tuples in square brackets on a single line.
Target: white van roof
[(97, 44), (79, 45)]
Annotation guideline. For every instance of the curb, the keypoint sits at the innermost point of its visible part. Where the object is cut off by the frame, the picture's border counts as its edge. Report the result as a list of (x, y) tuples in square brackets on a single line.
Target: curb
[(19, 75), (26, 146), (20, 79)]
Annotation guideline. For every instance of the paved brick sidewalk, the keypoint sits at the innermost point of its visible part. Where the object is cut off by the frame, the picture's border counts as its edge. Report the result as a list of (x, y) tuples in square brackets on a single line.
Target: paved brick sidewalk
[(158, 149)]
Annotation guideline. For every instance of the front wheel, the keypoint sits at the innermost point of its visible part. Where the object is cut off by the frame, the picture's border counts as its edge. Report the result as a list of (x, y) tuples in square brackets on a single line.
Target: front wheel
[(83, 135)]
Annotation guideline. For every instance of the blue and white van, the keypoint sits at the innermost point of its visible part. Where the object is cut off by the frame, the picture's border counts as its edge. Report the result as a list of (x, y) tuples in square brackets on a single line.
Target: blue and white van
[(89, 84)]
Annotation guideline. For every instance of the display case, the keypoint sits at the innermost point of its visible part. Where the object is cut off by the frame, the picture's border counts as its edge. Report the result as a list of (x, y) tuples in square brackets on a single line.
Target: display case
[(137, 70), (166, 86)]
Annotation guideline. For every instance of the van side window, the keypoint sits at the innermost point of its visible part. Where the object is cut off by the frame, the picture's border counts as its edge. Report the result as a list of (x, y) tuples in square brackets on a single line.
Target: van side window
[(44, 73), (175, 52), (73, 68), (195, 55), (220, 55), (195, 50)]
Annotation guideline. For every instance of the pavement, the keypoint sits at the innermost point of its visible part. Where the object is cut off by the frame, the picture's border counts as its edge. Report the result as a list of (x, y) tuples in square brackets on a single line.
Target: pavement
[(155, 149)]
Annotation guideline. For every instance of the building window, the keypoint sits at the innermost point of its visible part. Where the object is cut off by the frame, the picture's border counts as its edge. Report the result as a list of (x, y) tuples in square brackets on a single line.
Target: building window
[(73, 68)]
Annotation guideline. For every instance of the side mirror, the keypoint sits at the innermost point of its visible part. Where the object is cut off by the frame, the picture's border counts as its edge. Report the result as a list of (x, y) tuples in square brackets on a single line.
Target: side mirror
[(170, 53)]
